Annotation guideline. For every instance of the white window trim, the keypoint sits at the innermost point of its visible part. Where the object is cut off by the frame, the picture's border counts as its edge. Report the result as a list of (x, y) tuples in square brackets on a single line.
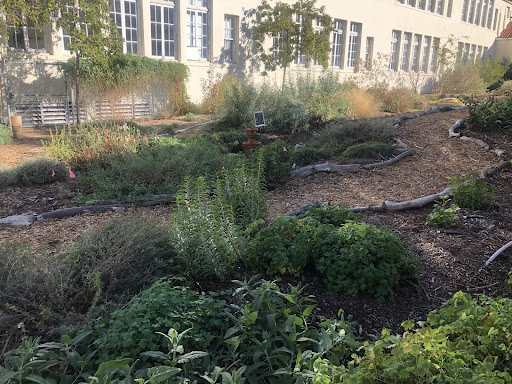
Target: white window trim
[(161, 25)]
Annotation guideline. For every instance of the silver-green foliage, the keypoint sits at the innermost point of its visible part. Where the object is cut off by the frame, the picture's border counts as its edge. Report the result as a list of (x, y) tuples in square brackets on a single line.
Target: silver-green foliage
[(5, 134)]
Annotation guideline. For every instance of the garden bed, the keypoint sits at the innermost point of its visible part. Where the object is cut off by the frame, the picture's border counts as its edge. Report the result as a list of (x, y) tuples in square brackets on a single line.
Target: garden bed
[(451, 258)]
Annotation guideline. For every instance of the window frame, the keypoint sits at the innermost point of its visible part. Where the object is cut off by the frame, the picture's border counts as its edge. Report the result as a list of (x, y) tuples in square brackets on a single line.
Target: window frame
[(230, 53), (129, 45), (354, 43), (160, 41)]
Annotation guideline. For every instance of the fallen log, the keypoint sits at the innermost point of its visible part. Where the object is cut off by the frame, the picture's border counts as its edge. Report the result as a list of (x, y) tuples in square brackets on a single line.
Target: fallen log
[(17, 221), (453, 131), (409, 152), (403, 205), (75, 211), (491, 172), (325, 167)]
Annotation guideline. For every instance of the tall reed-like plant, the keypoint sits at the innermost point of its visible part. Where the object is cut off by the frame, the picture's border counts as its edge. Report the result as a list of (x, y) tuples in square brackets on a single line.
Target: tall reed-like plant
[(206, 237)]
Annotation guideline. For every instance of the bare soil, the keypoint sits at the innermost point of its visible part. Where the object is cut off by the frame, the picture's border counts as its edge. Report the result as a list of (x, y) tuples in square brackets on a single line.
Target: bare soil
[(451, 258)]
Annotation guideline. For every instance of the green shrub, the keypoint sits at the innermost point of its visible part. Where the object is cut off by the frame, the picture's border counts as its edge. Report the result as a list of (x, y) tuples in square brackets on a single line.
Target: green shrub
[(335, 215), (39, 171), (277, 161), (133, 330), (288, 245), (93, 144), (442, 216), (370, 149), (360, 257), (155, 169), (466, 341), (490, 115), (234, 104), (336, 138), (190, 116), (231, 141), (471, 192), (464, 78), (283, 111), (5, 134), (244, 190), (204, 232), (168, 128), (492, 70), (117, 260), (285, 247), (277, 336), (506, 87), (305, 156)]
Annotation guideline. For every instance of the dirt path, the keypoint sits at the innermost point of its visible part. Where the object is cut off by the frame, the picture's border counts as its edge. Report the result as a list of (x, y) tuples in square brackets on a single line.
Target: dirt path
[(26, 148), (438, 160)]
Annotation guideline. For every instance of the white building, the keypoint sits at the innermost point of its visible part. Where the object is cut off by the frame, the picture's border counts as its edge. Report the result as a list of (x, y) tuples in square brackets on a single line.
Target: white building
[(216, 35)]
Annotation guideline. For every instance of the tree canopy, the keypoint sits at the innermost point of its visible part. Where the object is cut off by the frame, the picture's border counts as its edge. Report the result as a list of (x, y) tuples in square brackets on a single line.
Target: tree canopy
[(299, 31)]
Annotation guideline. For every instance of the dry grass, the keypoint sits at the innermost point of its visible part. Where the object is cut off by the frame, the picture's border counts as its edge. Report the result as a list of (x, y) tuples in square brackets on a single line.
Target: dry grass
[(362, 103)]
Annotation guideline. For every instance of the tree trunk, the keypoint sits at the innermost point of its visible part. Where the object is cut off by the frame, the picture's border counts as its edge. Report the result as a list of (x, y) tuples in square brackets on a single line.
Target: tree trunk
[(77, 89)]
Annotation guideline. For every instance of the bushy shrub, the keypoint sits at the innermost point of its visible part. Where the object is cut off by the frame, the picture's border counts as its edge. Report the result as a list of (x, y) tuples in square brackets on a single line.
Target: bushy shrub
[(360, 257), (234, 104), (490, 115), (492, 70), (156, 168), (277, 161), (462, 78), (332, 214), (398, 100), (471, 192), (370, 149), (361, 103), (284, 112), (306, 156), (466, 341), (288, 245), (336, 138), (206, 238), (93, 144), (506, 88), (277, 336), (164, 305), (38, 171), (116, 260), (285, 247), (5, 134)]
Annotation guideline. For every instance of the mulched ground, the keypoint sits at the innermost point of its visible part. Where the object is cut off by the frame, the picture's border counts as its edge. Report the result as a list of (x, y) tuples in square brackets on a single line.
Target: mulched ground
[(451, 258)]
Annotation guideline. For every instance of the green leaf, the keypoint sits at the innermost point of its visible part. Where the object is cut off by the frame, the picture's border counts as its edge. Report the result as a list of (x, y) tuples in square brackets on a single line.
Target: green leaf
[(108, 367), (307, 312), (253, 316)]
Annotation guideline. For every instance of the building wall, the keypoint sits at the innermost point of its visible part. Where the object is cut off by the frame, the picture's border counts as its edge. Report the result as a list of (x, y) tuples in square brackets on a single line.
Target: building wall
[(377, 19)]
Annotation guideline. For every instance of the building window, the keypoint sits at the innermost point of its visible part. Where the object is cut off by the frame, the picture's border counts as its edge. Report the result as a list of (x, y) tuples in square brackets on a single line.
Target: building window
[(26, 37), (421, 4), (353, 44), (465, 53), (416, 49), (495, 19), (478, 12), (337, 44), (471, 11), (229, 38), (427, 40), (300, 58), (489, 14), (406, 44), (277, 47), (393, 55), (431, 6), (433, 54), (484, 53), (368, 57), (412, 3), (485, 8), (124, 14), (472, 53), (197, 30), (479, 53), (464, 16), (449, 8), (163, 32), (440, 7)]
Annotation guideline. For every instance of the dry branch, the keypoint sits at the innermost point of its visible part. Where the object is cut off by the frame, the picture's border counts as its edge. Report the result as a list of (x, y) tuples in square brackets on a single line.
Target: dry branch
[(453, 132), (409, 152), (325, 167), (306, 207)]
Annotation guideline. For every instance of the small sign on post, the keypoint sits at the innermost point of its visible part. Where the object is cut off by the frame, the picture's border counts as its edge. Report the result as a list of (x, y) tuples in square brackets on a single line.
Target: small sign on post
[(259, 118)]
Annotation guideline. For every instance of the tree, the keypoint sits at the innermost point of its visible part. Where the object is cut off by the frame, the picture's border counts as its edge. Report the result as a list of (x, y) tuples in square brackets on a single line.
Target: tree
[(92, 33), (293, 35)]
